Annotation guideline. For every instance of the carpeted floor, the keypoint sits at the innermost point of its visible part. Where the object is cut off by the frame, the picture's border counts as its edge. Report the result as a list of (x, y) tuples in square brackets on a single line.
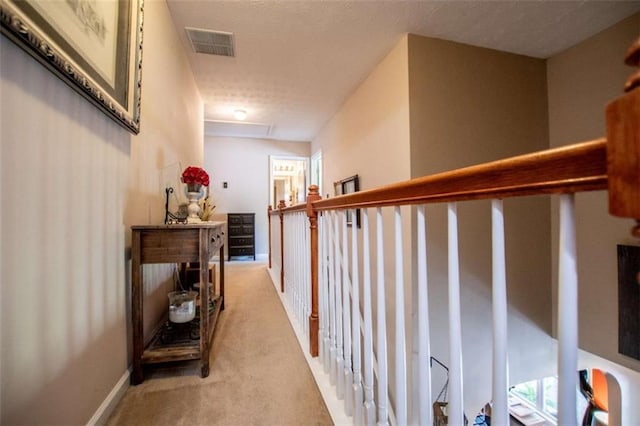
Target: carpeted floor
[(258, 373)]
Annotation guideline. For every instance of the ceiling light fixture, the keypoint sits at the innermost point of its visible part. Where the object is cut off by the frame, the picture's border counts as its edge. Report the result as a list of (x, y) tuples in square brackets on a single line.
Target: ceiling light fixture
[(240, 114)]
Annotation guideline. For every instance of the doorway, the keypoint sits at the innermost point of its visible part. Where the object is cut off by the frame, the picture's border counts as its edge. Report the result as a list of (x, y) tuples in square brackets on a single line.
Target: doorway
[(288, 179)]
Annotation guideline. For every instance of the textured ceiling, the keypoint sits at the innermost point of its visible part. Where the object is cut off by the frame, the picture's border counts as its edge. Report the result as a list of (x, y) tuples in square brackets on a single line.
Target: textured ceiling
[(297, 61)]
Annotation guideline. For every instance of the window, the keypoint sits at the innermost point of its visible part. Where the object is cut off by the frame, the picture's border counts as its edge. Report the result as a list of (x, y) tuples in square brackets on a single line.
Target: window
[(540, 395)]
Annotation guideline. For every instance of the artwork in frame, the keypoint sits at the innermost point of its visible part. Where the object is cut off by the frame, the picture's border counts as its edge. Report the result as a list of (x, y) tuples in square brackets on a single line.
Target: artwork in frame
[(93, 46), (629, 301), (348, 186)]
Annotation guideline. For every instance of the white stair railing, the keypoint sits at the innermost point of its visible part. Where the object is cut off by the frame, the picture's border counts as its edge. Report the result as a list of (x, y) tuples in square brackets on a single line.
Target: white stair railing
[(500, 381), (346, 320), (424, 351), (355, 326), (369, 403), (568, 314), (360, 373), (455, 407)]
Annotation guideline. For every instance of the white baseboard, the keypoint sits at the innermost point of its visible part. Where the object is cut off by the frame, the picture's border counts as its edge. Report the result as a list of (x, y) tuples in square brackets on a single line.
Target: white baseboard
[(262, 256), (103, 412)]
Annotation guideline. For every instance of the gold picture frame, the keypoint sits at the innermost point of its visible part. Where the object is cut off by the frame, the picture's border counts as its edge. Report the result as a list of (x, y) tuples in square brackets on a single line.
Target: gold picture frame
[(93, 46)]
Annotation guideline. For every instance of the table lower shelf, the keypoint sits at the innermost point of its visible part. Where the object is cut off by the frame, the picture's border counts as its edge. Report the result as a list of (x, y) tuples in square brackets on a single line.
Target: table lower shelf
[(180, 342)]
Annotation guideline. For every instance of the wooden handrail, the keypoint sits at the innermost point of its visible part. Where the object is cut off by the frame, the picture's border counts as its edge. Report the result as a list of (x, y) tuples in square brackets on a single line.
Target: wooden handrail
[(573, 168)]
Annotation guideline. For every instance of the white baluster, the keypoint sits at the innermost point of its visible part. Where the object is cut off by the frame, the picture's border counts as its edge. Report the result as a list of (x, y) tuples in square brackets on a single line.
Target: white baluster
[(346, 321), (500, 409), (299, 239), (381, 323), (295, 281), (455, 407), (424, 351), (307, 271), (300, 280), (567, 314), (401, 355), (333, 349), (326, 282), (321, 287), (369, 404), (304, 276), (339, 329), (355, 324)]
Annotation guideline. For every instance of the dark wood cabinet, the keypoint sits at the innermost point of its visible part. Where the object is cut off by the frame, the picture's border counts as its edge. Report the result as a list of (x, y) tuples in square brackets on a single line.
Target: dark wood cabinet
[(241, 234)]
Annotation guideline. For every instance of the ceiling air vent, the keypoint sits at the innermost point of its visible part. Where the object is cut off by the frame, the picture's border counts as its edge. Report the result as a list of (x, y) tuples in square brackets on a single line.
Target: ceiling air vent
[(211, 42)]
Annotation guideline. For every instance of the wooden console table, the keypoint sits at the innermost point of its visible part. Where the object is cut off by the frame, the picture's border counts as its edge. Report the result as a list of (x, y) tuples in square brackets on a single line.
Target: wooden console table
[(175, 244)]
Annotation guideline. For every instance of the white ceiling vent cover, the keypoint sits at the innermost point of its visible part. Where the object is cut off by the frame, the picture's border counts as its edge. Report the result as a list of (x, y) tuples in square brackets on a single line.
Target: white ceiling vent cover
[(211, 42)]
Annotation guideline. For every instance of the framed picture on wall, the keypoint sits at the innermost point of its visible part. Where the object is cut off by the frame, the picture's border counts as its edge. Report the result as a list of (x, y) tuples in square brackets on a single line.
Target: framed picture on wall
[(348, 186), (93, 46)]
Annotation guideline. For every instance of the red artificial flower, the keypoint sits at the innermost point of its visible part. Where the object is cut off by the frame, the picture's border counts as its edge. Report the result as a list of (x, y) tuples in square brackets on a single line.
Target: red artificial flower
[(195, 175)]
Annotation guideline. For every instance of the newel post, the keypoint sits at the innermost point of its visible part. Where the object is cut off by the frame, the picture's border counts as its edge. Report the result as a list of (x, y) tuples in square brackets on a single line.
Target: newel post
[(281, 206), (623, 146), (269, 210), (312, 214)]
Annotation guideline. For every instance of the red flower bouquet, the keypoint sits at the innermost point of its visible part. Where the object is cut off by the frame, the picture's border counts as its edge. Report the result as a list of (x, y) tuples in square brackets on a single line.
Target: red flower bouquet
[(195, 176)]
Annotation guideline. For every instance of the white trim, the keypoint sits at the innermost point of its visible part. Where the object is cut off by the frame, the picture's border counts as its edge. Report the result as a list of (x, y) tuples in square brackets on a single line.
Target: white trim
[(335, 406), (261, 257), (105, 409)]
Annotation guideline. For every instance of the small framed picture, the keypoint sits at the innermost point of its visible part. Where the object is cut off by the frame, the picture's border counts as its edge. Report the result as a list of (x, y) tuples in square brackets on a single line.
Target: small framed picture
[(348, 186)]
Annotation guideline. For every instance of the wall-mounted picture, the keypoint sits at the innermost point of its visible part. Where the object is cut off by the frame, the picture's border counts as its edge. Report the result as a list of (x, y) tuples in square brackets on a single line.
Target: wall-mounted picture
[(348, 186), (629, 301), (93, 46)]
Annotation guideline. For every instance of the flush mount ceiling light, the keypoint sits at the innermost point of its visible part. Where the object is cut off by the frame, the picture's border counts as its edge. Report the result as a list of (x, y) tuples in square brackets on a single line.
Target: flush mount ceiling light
[(240, 114)]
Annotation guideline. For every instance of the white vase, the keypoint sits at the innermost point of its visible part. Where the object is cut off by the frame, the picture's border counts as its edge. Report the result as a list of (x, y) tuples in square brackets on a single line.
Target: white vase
[(194, 208)]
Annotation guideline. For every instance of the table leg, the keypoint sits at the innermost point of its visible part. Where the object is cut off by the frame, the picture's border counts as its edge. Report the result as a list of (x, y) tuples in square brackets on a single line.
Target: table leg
[(222, 276), (136, 309)]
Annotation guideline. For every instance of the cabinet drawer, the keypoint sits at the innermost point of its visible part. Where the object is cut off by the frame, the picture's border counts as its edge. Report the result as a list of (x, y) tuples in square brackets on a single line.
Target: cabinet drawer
[(240, 241), (235, 230), (240, 251), (247, 219), (247, 230), (234, 219)]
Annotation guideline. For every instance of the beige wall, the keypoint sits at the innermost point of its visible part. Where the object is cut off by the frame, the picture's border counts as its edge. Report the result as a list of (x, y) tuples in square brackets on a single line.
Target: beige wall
[(72, 182), (369, 136), (581, 81), (471, 105), (244, 164)]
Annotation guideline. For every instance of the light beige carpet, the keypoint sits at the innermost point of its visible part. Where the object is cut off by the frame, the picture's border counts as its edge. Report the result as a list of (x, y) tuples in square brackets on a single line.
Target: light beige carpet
[(258, 373)]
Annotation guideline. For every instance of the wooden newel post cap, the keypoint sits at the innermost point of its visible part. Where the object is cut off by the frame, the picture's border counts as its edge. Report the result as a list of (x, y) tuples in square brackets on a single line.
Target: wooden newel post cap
[(313, 195), (281, 205), (269, 209)]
